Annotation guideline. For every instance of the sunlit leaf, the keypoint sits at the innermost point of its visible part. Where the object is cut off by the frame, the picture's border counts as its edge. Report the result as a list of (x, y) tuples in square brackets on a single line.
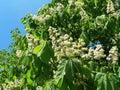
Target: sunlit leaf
[(38, 48), (45, 52), (28, 77)]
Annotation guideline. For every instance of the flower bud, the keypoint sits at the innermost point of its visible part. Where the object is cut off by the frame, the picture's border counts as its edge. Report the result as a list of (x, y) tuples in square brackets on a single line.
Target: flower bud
[(19, 53)]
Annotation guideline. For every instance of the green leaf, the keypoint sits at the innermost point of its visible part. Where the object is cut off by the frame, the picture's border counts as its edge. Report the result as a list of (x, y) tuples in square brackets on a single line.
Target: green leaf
[(60, 82), (113, 79), (27, 27), (77, 65), (64, 85), (85, 36), (69, 70), (111, 85), (23, 20), (86, 71), (49, 85), (1, 66), (95, 1), (66, 71), (45, 53), (28, 75), (92, 65), (98, 76), (100, 84), (105, 82), (7, 80), (38, 48), (60, 73), (119, 72), (14, 77)]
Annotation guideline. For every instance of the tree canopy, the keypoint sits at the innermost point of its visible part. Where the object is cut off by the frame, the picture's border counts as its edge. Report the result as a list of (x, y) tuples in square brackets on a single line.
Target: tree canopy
[(68, 45)]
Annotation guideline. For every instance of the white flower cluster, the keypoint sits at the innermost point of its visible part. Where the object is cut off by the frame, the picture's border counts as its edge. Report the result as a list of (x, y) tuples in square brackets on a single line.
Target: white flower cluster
[(102, 17), (96, 53), (90, 53), (64, 46), (39, 18), (99, 52), (11, 85), (47, 17), (59, 7), (52, 11), (110, 7), (83, 14), (39, 88), (19, 53), (116, 14), (32, 41), (117, 36), (79, 4), (70, 2), (99, 20), (113, 54)]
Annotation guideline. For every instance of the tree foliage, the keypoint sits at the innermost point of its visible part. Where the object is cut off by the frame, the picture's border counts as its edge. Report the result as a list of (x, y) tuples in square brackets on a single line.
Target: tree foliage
[(68, 45)]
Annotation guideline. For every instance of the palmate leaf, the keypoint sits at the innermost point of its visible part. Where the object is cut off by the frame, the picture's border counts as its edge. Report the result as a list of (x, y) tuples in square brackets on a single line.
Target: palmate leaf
[(38, 48), (114, 80), (66, 71), (107, 81), (60, 73), (98, 75), (119, 72), (49, 85), (44, 51), (69, 70), (100, 84)]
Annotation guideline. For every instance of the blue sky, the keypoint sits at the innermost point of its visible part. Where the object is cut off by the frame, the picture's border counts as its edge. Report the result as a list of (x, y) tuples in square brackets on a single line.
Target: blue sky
[(10, 13)]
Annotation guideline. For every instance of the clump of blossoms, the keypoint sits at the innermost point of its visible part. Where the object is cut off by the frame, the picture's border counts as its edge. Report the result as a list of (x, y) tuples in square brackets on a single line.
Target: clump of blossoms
[(32, 41), (110, 7), (52, 11), (99, 52), (47, 17), (100, 20), (70, 2), (39, 88), (96, 53), (41, 18), (116, 14), (19, 53), (117, 36), (84, 15), (59, 7), (38, 18), (79, 4), (64, 46), (113, 54), (11, 85)]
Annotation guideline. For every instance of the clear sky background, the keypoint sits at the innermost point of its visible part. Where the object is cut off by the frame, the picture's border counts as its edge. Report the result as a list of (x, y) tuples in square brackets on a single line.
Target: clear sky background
[(10, 13)]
